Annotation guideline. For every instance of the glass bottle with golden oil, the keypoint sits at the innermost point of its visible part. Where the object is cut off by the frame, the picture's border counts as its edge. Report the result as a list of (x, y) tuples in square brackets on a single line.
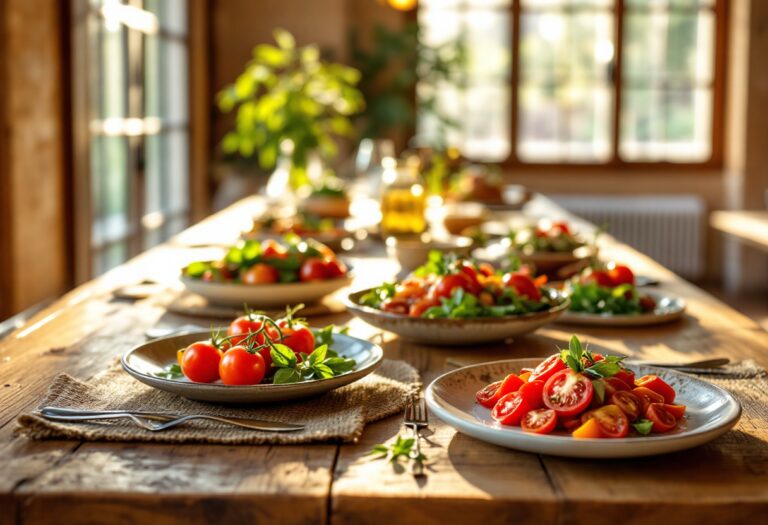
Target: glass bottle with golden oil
[(403, 200)]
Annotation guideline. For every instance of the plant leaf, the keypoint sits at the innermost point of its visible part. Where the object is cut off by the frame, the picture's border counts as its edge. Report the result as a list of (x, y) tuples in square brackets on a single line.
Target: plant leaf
[(286, 375), (282, 356)]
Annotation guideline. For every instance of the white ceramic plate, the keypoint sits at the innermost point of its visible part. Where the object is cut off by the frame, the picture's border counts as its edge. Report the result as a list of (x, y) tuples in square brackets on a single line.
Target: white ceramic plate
[(147, 359), (454, 332), (668, 309), (265, 295), (711, 412)]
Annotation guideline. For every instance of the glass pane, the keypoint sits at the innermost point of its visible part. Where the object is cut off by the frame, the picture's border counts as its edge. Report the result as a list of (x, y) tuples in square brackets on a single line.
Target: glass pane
[(109, 257), (110, 189), (167, 185), (111, 50), (565, 101), (172, 14), (488, 46), (175, 82)]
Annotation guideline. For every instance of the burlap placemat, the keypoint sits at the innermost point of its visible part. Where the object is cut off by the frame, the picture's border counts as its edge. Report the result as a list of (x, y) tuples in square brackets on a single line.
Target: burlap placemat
[(338, 416)]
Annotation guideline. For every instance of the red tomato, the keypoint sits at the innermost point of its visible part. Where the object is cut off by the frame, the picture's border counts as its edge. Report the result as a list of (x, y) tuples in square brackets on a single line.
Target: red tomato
[(261, 273), (473, 284), (629, 403), (541, 421), (200, 362), (562, 226), (568, 392), (489, 394), (614, 384), (613, 422), (569, 423), (523, 285), (676, 410), (597, 276), (395, 306), (446, 284), (335, 269), (486, 269), (271, 249), (647, 303), (663, 420), (626, 375), (532, 393), (658, 385), (240, 328), (298, 337), (547, 368), (647, 396), (418, 308), (620, 274), (313, 269), (240, 367), (510, 409)]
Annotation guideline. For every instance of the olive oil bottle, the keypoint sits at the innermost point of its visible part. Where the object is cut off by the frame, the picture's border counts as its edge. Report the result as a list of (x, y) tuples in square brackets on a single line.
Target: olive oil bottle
[(403, 201)]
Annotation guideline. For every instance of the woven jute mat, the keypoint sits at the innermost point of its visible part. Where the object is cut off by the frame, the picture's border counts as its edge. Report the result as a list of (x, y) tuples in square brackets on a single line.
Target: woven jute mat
[(337, 416)]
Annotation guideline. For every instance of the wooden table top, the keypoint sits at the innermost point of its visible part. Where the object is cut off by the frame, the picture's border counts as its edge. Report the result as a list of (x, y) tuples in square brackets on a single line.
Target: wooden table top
[(468, 481), (748, 225)]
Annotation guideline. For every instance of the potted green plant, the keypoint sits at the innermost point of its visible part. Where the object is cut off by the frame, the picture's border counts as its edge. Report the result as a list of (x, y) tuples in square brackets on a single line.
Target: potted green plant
[(290, 101)]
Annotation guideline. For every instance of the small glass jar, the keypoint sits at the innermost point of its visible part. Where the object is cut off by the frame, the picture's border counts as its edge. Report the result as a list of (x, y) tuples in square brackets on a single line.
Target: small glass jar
[(403, 200)]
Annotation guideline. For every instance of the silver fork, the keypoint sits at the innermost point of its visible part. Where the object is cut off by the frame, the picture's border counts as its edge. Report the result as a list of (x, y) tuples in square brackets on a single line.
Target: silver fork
[(416, 418), (166, 420)]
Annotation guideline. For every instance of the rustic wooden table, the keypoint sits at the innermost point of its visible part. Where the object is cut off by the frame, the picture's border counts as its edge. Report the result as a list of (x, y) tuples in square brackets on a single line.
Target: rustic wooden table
[(468, 481)]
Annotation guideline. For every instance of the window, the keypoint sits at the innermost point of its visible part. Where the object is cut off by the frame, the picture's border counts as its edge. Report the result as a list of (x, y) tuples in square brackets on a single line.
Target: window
[(603, 82), (131, 94)]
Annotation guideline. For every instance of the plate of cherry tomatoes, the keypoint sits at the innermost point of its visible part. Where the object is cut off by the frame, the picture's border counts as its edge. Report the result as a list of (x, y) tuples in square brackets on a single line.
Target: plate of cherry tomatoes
[(578, 403), (256, 359), (268, 273), (608, 295), (453, 301)]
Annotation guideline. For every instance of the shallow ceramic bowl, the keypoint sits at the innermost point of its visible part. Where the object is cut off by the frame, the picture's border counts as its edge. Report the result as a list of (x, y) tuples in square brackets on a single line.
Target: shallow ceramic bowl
[(147, 359), (265, 295), (455, 332), (668, 309), (412, 253), (711, 412)]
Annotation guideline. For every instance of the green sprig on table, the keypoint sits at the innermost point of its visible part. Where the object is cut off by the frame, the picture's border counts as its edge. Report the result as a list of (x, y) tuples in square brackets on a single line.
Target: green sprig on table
[(401, 448)]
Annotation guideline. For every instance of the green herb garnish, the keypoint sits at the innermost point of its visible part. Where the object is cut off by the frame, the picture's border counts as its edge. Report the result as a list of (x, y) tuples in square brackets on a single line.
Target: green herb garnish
[(401, 448), (643, 426), (171, 372), (578, 359), (320, 364)]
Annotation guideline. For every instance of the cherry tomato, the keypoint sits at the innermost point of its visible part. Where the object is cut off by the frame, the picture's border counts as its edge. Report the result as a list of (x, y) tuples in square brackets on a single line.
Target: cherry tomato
[(626, 375), (240, 328), (568, 392), (613, 385), (489, 394), (658, 385), (313, 269), (599, 277), (547, 368), (532, 393), (335, 268), (200, 362), (647, 303), (628, 402), (473, 285), (419, 307), (663, 420), (510, 409), (486, 269), (569, 423), (297, 336), (620, 274), (590, 429), (676, 410), (446, 284), (613, 422), (647, 396), (395, 306), (523, 285), (240, 367), (562, 226), (541, 421), (261, 273), (271, 249)]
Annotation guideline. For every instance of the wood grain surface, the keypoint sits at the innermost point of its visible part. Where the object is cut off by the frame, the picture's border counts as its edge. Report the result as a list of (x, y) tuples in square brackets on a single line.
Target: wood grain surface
[(468, 481)]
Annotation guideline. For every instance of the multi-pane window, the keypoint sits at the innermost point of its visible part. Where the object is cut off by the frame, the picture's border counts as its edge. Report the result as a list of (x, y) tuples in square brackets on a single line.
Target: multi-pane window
[(579, 81), (136, 104)]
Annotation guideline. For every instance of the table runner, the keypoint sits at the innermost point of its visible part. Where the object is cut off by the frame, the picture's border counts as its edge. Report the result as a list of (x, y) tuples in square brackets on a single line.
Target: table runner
[(337, 416)]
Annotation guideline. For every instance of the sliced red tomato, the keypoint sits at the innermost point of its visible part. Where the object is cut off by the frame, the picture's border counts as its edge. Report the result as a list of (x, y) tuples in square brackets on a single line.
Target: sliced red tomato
[(446, 284), (629, 403), (663, 420), (569, 423), (473, 284), (620, 274), (647, 396), (626, 375), (523, 285), (418, 308), (510, 409), (547, 368), (489, 394), (614, 384), (568, 392), (658, 385), (395, 306), (676, 410), (541, 421), (613, 422), (590, 429), (532, 393)]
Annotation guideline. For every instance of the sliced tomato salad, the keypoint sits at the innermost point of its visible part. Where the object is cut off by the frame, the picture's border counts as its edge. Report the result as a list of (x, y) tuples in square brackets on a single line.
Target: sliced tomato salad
[(586, 394)]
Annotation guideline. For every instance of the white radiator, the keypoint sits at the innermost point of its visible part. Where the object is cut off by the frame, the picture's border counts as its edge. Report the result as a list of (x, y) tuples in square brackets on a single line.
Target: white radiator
[(668, 228)]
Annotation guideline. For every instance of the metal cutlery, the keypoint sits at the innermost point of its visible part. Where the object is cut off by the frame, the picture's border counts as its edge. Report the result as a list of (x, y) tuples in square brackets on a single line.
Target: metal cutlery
[(164, 420), (416, 418)]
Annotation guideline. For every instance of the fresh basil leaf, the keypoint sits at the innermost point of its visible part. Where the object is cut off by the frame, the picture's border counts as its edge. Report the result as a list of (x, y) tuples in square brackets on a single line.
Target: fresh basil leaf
[(643, 426), (599, 388), (319, 354), (323, 371), (172, 372), (282, 356), (339, 365), (286, 375), (604, 369)]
